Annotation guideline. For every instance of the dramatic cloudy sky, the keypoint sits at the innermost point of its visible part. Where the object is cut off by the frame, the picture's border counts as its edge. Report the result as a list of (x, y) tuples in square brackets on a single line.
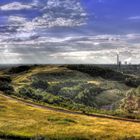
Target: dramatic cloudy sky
[(69, 31)]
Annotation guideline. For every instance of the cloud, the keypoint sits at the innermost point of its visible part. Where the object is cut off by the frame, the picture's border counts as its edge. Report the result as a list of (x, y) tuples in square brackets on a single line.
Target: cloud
[(60, 13), (16, 20), (134, 18), (72, 49), (15, 6), (48, 31), (128, 60), (50, 13), (53, 13)]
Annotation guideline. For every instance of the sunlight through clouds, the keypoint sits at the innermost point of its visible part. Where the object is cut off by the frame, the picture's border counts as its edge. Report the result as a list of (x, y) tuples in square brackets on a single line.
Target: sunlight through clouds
[(60, 31)]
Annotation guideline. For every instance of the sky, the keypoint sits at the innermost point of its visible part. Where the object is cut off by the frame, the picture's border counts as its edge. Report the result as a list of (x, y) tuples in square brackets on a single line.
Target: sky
[(69, 31)]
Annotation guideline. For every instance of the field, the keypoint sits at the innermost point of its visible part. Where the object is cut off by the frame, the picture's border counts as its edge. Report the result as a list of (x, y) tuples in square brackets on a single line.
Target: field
[(20, 121)]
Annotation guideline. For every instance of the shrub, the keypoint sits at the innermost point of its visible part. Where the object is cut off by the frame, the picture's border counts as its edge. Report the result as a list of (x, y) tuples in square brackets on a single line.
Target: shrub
[(132, 82), (40, 84), (5, 79), (29, 93), (131, 103), (19, 69), (5, 85)]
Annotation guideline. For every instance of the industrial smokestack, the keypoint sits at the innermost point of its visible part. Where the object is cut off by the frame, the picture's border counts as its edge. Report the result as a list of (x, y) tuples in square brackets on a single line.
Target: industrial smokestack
[(118, 58), (118, 61)]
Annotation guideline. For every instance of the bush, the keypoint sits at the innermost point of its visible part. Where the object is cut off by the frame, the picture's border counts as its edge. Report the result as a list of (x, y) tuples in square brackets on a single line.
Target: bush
[(40, 84), (132, 82), (87, 96), (5, 79), (5, 85), (131, 103), (19, 69), (29, 93)]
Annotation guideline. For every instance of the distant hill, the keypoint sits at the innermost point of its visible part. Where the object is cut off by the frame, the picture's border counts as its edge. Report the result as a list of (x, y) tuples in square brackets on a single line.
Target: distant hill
[(108, 73)]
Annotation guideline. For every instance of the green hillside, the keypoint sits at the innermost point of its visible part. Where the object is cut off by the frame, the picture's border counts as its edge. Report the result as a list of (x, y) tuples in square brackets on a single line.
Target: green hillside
[(69, 87)]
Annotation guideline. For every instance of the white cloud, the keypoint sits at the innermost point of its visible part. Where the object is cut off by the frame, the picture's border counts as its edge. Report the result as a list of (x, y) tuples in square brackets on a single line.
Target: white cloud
[(134, 18), (68, 50), (128, 60), (61, 13), (9, 57), (15, 20), (54, 13), (14, 6), (25, 41)]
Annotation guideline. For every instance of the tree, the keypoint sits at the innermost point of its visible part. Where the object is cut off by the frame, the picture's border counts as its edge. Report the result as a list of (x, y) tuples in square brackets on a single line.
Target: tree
[(40, 84)]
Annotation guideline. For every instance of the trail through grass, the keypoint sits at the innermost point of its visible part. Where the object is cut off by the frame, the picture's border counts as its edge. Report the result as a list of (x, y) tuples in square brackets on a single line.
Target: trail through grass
[(17, 119)]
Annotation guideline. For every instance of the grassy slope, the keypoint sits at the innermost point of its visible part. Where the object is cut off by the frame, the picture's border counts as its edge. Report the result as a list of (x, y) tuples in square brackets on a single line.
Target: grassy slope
[(42, 72), (20, 120)]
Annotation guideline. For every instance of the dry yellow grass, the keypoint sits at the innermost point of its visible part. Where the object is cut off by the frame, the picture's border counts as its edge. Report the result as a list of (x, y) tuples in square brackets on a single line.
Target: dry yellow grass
[(22, 120), (94, 82), (20, 79)]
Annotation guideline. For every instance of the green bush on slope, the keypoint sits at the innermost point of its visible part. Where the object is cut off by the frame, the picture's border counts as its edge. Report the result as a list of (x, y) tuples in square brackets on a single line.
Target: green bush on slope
[(5, 85), (131, 103)]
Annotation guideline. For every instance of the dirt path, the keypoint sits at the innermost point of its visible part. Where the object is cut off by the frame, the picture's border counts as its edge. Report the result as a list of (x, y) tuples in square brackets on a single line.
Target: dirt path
[(67, 111)]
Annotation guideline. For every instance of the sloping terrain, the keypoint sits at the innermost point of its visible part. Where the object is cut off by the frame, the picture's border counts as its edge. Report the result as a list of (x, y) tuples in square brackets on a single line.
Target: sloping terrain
[(87, 90), (20, 121), (61, 86)]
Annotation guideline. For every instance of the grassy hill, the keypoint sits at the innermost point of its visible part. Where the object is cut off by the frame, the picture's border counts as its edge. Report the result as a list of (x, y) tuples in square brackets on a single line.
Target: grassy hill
[(65, 84), (19, 121), (75, 87)]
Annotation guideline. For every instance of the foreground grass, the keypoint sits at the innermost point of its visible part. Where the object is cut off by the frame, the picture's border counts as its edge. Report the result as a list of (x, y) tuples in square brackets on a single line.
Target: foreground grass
[(19, 120)]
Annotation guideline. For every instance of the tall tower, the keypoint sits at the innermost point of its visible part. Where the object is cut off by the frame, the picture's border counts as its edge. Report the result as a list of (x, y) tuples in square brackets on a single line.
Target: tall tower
[(118, 59)]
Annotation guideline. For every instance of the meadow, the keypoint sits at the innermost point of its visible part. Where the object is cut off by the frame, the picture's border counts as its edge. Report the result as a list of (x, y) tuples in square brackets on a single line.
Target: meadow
[(19, 121)]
